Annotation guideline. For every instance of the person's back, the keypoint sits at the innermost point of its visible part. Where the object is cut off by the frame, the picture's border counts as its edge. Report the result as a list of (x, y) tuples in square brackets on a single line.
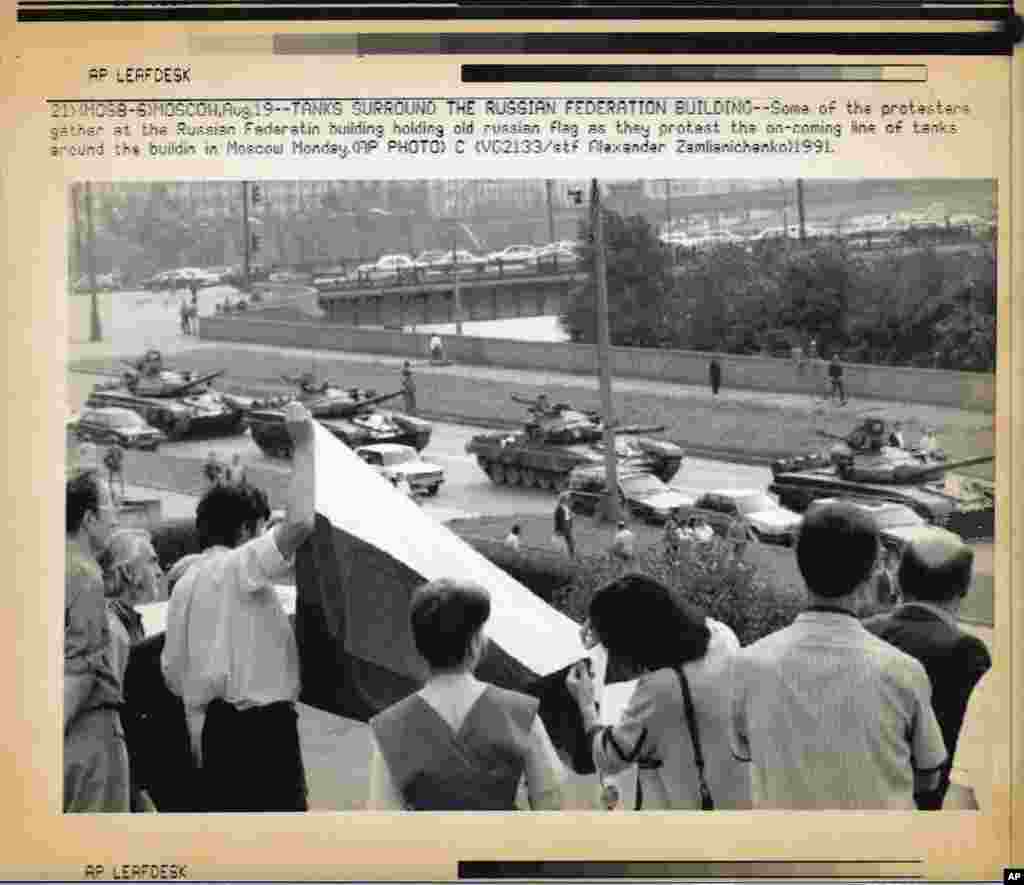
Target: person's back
[(829, 715), (474, 766), (833, 701), (935, 575)]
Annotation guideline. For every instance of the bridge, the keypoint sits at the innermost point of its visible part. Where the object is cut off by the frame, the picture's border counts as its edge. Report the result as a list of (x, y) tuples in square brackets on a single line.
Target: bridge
[(416, 300)]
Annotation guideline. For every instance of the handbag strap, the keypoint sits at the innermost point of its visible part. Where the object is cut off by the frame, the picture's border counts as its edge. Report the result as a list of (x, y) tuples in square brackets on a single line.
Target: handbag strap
[(691, 722)]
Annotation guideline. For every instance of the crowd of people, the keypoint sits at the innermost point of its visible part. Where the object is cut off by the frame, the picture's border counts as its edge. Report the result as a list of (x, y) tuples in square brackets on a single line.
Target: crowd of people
[(831, 712)]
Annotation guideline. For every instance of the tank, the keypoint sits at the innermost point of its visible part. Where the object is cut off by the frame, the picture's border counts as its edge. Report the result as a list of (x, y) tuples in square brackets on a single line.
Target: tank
[(348, 413), (862, 465), (178, 403), (557, 438)]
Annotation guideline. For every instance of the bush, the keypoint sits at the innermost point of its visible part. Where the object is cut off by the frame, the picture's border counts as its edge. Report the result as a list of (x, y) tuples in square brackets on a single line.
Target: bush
[(709, 577)]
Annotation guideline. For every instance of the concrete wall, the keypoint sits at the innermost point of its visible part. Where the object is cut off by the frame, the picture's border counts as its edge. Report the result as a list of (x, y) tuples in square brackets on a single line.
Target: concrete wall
[(964, 390)]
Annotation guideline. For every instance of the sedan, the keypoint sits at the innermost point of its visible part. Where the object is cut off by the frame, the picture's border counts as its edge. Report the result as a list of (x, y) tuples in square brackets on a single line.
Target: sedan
[(898, 525), (640, 494), (771, 522), (514, 255), (392, 460), (387, 267), (115, 425)]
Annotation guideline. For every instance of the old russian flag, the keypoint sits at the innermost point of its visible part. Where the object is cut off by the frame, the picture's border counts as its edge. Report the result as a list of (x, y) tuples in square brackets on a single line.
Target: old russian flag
[(372, 546)]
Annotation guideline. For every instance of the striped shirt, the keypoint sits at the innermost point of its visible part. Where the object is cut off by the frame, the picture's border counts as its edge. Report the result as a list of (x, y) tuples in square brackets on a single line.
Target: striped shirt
[(832, 717)]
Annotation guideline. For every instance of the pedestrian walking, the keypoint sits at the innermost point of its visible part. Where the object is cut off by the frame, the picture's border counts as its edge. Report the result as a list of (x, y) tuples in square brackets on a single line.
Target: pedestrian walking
[(113, 460), (563, 524), (213, 470), (623, 548), (185, 314), (715, 374), (436, 349), (408, 388), (193, 314), (514, 537), (835, 374)]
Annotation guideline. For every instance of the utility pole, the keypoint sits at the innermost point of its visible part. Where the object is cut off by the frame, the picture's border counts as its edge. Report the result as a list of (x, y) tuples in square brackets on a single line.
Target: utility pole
[(604, 354), (95, 327), (668, 207), (246, 238), (548, 185), (800, 208), (456, 295)]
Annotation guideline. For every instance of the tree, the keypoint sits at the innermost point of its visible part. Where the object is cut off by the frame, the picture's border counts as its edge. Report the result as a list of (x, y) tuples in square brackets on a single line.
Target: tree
[(640, 286)]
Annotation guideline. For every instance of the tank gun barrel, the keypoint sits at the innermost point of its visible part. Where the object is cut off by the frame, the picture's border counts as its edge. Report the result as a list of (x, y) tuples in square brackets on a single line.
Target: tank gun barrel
[(636, 429), (369, 402), (196, 382), (934, 470)]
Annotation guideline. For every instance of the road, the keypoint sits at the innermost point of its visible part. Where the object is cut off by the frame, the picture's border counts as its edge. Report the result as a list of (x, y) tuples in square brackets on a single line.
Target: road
[(467, 491)]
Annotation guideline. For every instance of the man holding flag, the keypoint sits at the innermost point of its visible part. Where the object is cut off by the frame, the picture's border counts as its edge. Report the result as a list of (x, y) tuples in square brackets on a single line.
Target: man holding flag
[(230, 651)]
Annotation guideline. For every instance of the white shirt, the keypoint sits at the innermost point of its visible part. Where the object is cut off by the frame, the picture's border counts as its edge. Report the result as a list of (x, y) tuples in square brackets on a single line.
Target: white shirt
[(228, 635), (624, 544), (512, 540), (452, 696), (832, 717)]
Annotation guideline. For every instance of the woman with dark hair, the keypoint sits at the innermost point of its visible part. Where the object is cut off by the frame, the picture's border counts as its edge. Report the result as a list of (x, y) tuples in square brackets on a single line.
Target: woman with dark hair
[(671, 648), (459, 744)]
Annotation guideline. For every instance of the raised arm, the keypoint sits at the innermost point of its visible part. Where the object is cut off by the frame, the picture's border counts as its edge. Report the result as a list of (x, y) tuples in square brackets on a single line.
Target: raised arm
[(299, 517)]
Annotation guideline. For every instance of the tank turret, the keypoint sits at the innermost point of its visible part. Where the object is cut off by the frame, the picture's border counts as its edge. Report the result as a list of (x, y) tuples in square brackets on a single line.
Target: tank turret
[(349, 413), (176, 402), (556, 437), (869, 463)]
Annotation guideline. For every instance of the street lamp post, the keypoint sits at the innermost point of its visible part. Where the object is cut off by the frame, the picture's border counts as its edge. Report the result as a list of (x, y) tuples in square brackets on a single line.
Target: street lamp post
[(604, 354)]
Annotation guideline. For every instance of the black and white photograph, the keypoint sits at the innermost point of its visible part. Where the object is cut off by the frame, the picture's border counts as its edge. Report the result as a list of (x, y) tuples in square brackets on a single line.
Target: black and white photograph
[(532, 494)]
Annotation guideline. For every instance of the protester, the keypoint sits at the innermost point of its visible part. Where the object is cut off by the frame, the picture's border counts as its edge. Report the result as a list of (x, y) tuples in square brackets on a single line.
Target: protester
[(701, 531), (715, 374), (193, 315), (436, 349), (459, 744), (673, 536), (513, 538), (623, 544), (935, 577), (408, 388), (230, 652), (653, 634), (95, 756), (828, 715), (185, 314), (133, 577), (835, 374), (563, 524), (213, 470)]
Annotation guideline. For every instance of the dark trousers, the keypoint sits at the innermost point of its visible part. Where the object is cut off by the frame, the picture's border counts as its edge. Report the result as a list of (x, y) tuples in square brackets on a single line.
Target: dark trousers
[(716, 381), (838, 390), (252, 760)]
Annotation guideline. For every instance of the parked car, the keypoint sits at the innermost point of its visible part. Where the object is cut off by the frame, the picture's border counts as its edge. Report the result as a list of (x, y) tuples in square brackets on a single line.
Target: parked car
[(394, 459), (771, 522), (462, 260), (387, 267), (642, 495), (555, 255), (116, 425), (430, 260), (329, 278), (514, 255), (734, 529), (897, 523)]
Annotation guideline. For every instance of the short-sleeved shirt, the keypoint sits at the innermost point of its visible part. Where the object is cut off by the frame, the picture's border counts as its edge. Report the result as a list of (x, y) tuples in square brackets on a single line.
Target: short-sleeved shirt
[(87, 643), (832, 717), (228, 635), (653, 733)]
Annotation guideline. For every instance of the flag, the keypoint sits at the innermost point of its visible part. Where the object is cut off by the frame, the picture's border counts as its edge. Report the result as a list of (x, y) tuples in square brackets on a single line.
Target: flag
[(371, 547)]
